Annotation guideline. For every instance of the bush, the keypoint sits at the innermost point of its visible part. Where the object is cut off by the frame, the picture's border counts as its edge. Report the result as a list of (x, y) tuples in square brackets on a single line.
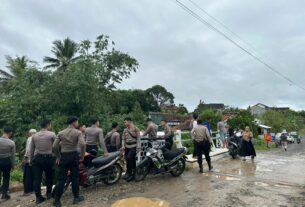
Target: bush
[(260, 144), (17, 175)]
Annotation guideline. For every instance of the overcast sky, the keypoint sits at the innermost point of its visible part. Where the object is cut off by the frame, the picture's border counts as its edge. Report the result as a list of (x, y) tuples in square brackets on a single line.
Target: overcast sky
[(173, 48)]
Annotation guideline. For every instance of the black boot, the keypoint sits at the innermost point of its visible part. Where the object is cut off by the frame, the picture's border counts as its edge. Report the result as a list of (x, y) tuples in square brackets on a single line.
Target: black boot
[(131, 176), (200, 168), (126, 176), (40, 200), (57, 203), (5, 196), (78, 199), (210, 165)]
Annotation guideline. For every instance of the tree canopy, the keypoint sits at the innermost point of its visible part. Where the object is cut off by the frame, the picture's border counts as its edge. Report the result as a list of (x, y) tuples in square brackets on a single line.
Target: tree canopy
[(161, 95)]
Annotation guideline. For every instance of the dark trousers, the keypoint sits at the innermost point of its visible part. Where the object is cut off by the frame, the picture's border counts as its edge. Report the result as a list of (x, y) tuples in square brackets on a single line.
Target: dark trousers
[(27, 178), (112, 149), (131, 162), (203, 147), (42, 164), (169, 143), (92, 147), (5, 169), (68, 161)]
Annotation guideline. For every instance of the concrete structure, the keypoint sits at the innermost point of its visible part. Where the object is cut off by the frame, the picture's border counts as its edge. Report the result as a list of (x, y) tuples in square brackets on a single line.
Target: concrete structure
[(259, 109)]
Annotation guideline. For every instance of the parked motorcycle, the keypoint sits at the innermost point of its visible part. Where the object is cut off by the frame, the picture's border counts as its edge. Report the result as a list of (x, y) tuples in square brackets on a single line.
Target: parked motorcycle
[(161, 160), (106, 169), (234, 144)]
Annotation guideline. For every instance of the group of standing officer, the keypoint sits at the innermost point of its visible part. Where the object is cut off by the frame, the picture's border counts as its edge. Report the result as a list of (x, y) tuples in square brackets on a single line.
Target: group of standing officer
[(68, 147)]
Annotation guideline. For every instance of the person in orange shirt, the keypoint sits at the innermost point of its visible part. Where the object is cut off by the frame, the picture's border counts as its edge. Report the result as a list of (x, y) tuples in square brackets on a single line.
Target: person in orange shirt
[(268, 138)]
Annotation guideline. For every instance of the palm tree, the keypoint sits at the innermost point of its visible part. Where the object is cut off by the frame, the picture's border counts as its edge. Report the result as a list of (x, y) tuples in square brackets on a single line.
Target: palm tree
[(64, 51), (16, 66)]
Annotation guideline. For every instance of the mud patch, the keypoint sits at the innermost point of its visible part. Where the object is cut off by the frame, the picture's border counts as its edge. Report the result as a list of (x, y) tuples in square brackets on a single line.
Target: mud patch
[(140, 202)]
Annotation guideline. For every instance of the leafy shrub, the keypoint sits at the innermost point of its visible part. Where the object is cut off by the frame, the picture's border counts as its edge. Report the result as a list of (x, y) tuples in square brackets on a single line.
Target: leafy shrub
[(17, 175)]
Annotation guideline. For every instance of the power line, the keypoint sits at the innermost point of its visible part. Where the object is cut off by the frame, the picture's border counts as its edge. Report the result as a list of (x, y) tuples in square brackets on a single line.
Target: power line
[(199, 18), (223, 25)]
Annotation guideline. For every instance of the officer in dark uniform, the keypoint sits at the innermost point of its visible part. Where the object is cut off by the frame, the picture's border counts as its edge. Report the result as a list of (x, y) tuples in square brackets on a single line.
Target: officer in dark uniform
[(66, 151), (7, 160), (42, 159)]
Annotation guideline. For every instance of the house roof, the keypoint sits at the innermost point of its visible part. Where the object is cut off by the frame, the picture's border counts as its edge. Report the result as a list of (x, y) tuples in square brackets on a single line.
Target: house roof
[(261, 105)]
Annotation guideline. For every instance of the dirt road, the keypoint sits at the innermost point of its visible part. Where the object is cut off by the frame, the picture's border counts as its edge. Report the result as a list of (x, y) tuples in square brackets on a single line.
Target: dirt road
[(275, 178)]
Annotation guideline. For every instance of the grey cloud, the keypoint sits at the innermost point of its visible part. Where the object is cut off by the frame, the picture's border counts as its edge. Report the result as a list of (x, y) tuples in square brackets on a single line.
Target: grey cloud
[(172, 47)]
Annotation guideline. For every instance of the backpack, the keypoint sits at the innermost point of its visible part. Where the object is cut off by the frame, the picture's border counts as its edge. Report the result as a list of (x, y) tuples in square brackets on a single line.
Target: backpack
[(108, 139)]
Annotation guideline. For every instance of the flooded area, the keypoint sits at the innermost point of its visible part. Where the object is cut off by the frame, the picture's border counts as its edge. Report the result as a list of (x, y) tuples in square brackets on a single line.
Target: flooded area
[(140, 202), (275, 178)]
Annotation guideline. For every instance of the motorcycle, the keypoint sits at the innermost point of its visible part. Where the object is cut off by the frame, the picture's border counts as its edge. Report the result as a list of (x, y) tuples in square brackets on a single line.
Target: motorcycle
[(161, 160), (234, 144), (107, 169)]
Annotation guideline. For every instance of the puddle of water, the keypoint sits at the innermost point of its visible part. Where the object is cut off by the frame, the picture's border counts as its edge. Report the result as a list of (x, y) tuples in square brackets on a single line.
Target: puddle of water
[(232, 178), (261, 184), (282, 186), (222, 177), (140, 202), (263, 169)]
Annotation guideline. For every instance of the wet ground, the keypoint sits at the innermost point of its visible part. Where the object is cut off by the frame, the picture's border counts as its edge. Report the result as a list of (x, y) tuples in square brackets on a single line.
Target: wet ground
[(275, 178)]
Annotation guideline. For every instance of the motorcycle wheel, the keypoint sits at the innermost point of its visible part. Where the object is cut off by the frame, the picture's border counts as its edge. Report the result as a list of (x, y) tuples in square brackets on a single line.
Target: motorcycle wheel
[(142, 172), (115, 172), (180, 167), (234, 156)]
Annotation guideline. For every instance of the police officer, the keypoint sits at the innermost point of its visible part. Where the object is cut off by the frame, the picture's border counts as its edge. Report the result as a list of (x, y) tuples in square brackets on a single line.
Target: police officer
[(151, 130), (168, 134), (94, 137), (65, 149), (131, 144), (113, 138), (27, 168), (203, 142), (42, 159), (7, 159)]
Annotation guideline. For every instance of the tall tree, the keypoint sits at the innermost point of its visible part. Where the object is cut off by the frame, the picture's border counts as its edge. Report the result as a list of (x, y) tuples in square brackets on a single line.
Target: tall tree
[(16, 66), (161, 95), (65, 53)]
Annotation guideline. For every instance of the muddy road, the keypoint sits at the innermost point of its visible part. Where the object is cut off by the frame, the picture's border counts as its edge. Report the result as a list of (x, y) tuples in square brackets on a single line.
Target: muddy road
[(275, 178)]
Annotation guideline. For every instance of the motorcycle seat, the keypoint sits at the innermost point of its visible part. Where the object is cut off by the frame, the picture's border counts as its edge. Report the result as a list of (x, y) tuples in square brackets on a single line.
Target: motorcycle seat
[(168, 155), (104, 160)]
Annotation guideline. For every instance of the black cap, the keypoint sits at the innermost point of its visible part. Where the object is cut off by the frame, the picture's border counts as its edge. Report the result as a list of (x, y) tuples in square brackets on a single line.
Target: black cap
[(149, 119), (72, 119)]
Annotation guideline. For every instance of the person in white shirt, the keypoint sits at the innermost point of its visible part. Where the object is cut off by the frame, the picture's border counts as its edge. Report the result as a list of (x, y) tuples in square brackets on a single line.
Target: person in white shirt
[(193, 125), (27, 168)]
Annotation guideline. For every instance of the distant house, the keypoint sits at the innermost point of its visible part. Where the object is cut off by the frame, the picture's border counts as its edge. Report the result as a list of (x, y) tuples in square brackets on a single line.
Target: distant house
[(259, 109), (172, 119), (213, 106)]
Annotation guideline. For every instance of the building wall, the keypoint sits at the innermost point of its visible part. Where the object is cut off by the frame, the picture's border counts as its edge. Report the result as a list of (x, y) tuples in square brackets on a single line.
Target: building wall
[(256, 110)]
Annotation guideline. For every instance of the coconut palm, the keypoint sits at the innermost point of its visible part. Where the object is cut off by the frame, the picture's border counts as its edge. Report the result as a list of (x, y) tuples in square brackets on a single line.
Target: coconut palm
[(15, 67), (65, 53)]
